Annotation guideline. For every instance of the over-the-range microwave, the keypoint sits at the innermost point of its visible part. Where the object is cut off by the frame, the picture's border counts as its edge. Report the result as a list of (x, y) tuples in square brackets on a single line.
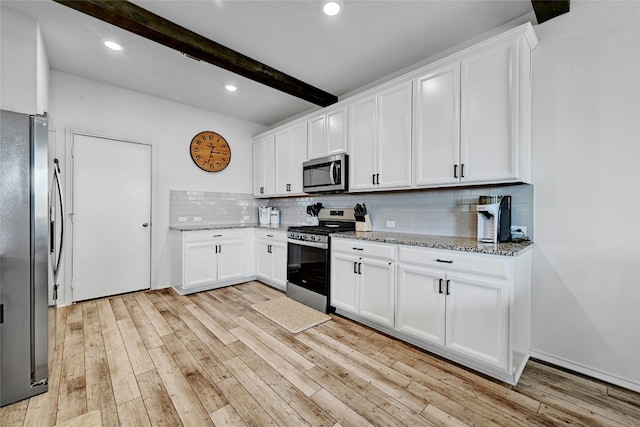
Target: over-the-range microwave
[(326, 175)]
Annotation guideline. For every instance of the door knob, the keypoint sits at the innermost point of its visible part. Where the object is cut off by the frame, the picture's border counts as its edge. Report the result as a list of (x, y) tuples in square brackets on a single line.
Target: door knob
[(146, 224)]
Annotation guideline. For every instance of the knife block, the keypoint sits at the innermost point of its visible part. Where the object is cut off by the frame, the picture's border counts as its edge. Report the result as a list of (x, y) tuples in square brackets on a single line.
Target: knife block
[(363, 224)]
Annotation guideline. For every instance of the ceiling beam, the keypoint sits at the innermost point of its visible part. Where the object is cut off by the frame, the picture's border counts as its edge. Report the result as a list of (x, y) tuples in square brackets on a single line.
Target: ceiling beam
[(137, 20), (549, 9)]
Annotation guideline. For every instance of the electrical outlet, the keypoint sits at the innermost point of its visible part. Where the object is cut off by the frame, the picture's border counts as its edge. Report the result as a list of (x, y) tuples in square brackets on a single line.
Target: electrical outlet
[(391, 224), (518, 231), (197, 218), (182, 219)]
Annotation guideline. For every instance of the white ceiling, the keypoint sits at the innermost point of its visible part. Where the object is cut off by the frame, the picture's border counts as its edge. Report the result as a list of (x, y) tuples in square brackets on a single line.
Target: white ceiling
[(367, 41)]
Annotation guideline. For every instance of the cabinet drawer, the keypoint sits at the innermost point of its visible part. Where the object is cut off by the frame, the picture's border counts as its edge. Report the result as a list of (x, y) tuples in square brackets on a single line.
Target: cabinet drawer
[(275, 235), (490, 265), (359, 247), (203, 235)]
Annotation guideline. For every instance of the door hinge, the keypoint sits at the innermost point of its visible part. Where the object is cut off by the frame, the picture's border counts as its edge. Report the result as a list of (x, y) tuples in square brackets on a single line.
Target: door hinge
[(73, 151)]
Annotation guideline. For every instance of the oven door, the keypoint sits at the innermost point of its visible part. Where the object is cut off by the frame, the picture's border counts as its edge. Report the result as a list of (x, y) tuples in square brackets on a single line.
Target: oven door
[(307, 265)]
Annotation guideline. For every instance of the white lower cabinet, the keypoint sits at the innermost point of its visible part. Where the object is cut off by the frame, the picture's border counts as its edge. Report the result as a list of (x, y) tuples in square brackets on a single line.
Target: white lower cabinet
[(209, 259), (363, 280), (459, 312), (271, 257), (472, 308)]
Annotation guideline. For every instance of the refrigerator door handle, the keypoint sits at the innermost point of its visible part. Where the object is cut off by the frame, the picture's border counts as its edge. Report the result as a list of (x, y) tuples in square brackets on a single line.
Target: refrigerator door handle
[(56, 178)]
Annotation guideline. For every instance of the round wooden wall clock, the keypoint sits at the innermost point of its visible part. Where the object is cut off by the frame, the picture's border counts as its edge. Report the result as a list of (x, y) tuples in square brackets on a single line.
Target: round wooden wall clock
[(210, 151)]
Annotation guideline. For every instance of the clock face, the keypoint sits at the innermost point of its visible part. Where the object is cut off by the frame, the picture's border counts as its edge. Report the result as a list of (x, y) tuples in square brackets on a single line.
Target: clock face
[(210, 151)]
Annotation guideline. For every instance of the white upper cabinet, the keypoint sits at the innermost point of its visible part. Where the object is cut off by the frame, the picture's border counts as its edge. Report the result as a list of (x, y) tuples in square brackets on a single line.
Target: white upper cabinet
[(436, 148), (489, 115), (472, 115), (264, 166), (290, 153), (327, 133), (380, 140)]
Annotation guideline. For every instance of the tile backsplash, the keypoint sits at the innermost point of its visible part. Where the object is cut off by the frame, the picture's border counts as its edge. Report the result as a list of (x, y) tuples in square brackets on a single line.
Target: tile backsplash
[(443, 211), (213, 208)]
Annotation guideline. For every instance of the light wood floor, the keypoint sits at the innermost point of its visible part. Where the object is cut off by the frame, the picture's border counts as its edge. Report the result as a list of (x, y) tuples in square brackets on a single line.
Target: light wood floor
[(158, 358)]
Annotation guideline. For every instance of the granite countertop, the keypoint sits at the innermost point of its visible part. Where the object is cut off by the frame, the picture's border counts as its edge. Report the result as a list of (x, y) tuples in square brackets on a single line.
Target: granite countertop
[(464, 244), (203, 227)]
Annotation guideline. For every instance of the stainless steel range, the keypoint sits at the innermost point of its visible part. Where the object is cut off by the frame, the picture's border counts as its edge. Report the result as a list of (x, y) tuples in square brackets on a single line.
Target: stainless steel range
[(308, 257)]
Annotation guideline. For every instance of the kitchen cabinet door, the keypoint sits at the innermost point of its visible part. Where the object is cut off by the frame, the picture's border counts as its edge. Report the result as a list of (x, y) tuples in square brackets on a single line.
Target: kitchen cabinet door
[(264, 166), (264, 268), (421, 303), (279, 264), (336, 131), (477, 318), (380, 140), (231, 254), (344, 282), (282, 158), (200, 266), (316, 142), (327, 134), (393, 149), (290, 153), (489, 125), (298, 156), (362, 144), (377, 291), (436, 142)]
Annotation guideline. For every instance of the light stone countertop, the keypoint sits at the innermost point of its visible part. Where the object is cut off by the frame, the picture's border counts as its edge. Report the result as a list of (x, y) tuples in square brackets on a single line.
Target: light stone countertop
[(204, 227), (463, 244)]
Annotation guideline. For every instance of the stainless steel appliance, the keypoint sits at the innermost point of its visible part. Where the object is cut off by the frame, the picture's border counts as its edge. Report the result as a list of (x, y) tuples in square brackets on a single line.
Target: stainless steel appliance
[(24, 256), (494, 219), (326, 175), (308, 257)]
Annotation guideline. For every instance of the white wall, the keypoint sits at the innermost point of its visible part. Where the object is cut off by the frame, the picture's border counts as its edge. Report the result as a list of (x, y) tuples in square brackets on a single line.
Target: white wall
[(86, 105), (18, 62), (586, 176)]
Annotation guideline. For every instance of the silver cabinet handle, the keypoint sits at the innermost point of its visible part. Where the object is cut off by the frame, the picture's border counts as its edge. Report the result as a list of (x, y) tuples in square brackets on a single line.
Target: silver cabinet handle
[(146, 224)]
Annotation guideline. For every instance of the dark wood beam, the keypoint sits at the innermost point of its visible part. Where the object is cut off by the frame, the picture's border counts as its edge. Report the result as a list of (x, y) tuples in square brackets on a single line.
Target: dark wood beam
[(549, 9), (135, 19)]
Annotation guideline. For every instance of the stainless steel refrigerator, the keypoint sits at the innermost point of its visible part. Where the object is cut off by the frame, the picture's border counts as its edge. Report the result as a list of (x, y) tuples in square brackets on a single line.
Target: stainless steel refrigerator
[(24, 256)]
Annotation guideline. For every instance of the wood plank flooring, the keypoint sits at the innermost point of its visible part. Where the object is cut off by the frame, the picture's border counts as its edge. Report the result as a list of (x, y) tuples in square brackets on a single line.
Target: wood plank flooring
[(158, 358)]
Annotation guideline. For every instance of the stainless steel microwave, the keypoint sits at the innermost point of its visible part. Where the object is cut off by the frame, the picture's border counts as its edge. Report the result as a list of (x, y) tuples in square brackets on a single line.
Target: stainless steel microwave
[(326, 175)]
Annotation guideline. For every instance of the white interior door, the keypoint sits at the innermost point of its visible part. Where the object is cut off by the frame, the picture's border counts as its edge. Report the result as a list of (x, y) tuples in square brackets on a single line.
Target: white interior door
[(111, 217)]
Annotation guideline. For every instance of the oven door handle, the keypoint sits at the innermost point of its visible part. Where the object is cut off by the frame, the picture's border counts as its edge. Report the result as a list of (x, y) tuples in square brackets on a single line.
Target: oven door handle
[(310, 244)]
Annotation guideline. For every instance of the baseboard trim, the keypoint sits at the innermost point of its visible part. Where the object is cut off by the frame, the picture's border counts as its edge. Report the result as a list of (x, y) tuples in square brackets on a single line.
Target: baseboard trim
[(585, 370)]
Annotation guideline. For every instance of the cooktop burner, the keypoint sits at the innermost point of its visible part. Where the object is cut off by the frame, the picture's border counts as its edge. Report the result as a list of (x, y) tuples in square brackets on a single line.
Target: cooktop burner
[(331, 221), (322, 229)]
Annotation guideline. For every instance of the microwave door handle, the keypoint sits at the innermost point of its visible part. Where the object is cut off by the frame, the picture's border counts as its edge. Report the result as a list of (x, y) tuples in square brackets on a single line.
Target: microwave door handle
[(332, 173)]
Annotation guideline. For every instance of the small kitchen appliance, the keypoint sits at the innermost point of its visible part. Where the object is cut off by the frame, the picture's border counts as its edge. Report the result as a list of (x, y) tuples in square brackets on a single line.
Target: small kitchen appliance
[(264, 215), (308, 257), (275, 217), (494, 219)]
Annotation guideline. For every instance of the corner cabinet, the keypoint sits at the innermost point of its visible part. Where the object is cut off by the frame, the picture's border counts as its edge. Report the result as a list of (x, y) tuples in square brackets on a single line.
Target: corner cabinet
[(472, 114), (471, 308), (210, 259), (271, 257), (380, 140)]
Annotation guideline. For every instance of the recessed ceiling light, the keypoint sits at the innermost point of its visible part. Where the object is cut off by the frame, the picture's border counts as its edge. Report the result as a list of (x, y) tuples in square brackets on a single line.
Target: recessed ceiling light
[(231, 88), (112, 45), (331, 7)]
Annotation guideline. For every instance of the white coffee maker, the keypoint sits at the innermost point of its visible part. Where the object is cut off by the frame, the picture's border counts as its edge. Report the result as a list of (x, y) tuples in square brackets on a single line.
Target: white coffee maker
[(264, 215), (494, 219)]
